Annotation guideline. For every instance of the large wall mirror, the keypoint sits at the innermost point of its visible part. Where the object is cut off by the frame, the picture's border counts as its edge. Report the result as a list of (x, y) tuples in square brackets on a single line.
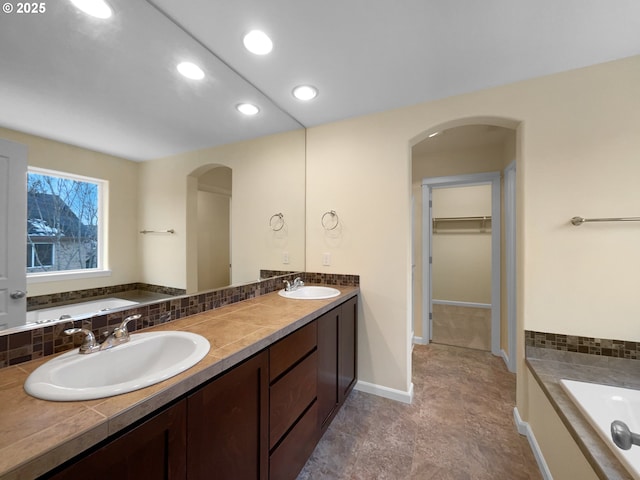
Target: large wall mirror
[(104, 100)]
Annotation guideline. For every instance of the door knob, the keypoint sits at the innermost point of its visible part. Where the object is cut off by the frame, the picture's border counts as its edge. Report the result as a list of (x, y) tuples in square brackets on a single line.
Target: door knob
[(17, 294)]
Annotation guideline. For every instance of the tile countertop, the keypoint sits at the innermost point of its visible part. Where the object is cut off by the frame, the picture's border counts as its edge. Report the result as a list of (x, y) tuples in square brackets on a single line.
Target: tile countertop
[(38, 435), (550, 366)]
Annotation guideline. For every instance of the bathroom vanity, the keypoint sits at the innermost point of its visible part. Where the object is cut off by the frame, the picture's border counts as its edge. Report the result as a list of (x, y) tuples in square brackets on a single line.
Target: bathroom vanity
[(255, 407)]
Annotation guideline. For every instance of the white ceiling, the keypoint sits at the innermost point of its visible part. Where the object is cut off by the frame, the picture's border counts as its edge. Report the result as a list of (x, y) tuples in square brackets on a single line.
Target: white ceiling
[(112, 86)]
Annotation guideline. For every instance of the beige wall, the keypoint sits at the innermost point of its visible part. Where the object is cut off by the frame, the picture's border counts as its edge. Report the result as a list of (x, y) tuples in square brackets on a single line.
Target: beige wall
[(459, 161), (122, 176), (461, 270), (577, 152), (268, 177)]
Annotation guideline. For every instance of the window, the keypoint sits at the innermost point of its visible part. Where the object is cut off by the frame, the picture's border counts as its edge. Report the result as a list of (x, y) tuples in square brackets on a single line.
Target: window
[(39, 254), (64, 223)]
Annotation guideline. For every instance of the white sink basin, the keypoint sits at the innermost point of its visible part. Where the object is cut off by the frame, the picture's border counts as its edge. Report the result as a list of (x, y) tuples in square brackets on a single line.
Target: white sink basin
[(147, 358), (310, 293), (601, 405)]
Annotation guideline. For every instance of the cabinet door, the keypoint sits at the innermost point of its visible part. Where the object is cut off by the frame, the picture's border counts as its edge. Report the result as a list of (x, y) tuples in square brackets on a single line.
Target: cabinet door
[(156, 449), (347, 350), (327, 365), (228, 425)]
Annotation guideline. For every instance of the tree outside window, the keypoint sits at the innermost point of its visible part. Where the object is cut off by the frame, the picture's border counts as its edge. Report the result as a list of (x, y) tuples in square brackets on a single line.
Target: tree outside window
[(62, 222)]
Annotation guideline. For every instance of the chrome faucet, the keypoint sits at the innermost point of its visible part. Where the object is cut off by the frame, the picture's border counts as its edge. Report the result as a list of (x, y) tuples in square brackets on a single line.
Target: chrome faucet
[(120, 334), (290, 287), (89, 344), (622, 436)]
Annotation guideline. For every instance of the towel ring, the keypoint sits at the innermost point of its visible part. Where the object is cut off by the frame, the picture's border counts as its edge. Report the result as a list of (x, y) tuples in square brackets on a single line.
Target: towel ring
[(325, 223), (278, 224)]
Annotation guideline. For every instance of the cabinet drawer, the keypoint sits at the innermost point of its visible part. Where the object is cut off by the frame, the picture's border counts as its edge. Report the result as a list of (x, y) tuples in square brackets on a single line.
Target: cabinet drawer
[(290, 349), (291, 455), (291, 395)]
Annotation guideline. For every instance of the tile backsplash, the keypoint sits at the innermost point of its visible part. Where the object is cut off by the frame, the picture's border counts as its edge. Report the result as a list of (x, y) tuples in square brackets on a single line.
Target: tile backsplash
[(592, 346), (52, 299), (26, 344)]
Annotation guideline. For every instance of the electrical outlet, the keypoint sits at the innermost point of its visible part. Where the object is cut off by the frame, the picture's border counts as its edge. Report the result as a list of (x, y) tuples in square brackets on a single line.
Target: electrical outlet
[(285, 258), (326, 259)]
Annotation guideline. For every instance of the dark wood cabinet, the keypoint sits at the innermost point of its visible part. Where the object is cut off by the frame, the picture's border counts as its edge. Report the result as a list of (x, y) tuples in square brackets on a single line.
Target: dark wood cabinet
[(347, 348), (337, 357), (228, 424), (291, 396), (154, 450), (293, 408), (297, 446), (284, 354), (327, 366), (260, 420)]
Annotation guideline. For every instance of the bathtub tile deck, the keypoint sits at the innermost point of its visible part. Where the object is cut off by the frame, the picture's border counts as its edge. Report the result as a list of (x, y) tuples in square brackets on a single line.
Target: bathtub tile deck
[(442, 435)]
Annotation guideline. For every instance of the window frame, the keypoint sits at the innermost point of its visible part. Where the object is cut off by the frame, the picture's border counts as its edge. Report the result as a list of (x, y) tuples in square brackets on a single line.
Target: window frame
[(101, 269)]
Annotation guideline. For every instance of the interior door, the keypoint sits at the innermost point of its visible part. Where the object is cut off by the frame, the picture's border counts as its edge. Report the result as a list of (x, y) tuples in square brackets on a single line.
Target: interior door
[(13, 234)]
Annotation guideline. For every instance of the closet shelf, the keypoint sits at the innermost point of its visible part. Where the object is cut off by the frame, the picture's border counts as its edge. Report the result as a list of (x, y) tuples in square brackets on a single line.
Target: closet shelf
[(483, 221)]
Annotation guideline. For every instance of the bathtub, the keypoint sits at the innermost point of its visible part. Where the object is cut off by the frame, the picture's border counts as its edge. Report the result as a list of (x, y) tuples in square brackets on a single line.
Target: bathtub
[(601, 405), (77, 311)]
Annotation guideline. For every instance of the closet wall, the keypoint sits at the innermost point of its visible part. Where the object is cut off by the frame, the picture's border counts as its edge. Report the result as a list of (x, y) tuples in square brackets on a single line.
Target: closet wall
[(461, 270), (462, 248)]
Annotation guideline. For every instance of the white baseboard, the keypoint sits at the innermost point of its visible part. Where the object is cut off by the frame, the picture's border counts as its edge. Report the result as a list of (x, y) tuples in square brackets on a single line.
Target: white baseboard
[(505, 357), (386, 392), (524, 429), (420, 341)]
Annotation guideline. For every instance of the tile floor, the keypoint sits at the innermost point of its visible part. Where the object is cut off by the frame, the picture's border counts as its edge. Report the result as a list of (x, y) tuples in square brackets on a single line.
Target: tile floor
[(459, 427)]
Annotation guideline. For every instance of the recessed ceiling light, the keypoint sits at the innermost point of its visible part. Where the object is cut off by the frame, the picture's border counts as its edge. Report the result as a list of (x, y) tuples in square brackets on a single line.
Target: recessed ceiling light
[(95, 8), (305, 92), (434, 134), (247, 108), (190, 70), (256, 41)]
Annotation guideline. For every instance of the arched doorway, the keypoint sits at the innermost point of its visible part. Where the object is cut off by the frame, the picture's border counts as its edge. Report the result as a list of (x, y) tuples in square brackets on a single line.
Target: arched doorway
[(209, 226), (457, 151)]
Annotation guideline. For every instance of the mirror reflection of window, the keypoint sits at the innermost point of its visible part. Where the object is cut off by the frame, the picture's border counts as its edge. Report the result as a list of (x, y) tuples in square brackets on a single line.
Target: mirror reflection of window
[(63, 222)]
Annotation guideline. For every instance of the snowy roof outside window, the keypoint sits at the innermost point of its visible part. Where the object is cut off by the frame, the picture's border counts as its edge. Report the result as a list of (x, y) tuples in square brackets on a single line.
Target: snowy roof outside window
[(40, 228)]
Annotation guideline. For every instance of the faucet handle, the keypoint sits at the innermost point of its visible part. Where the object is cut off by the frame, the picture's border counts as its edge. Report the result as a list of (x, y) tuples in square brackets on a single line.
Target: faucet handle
[(89, 343), (123, 332)]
